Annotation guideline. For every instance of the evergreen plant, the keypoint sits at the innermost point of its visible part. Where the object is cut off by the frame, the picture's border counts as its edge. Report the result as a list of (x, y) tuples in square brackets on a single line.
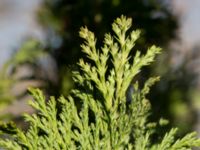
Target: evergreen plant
[(104, 119)]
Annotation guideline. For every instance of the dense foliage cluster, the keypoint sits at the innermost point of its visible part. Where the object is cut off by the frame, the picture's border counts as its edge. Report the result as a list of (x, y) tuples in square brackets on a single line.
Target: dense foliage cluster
[(59, 18), (104, 119)]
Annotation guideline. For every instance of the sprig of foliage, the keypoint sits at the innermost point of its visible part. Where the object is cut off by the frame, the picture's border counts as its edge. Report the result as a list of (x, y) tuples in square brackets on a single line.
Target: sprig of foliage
[(105, 121)]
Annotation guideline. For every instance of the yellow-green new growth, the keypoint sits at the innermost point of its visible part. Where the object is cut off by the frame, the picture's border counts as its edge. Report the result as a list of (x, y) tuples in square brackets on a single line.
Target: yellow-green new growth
[(104, 121)]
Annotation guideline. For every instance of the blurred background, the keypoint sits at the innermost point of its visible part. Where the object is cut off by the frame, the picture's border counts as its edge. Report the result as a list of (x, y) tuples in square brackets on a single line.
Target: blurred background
[(39, 46)]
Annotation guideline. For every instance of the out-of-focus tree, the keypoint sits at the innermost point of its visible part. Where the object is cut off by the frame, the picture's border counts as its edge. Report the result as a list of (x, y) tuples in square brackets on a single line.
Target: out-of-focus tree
[(5, 86), (15, 77), (173, 94)]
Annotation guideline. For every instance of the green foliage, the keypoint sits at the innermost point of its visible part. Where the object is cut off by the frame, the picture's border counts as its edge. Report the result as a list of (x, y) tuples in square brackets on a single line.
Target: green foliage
[(5, 89), (59, 19), (27, 54), (105, 121)]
